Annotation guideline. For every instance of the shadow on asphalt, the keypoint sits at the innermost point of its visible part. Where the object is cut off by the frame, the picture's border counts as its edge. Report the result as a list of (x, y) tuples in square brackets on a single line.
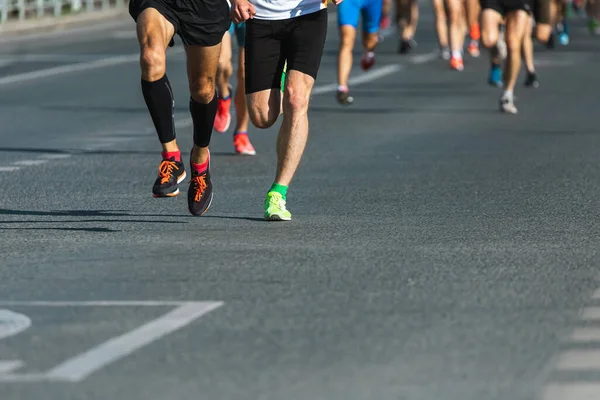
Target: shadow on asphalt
[(108, 213), (95, 230)]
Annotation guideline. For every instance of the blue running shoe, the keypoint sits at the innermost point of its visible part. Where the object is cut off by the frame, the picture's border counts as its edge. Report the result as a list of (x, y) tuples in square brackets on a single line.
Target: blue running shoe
[(563, 38), (495, 78)]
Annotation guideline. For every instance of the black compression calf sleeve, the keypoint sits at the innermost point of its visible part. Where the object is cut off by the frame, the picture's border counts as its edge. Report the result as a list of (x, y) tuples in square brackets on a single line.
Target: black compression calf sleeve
[(159, 100), (203, 116)]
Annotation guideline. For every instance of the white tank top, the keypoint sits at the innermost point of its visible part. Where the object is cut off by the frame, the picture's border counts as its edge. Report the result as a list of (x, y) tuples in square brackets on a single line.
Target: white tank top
[(286, 9)]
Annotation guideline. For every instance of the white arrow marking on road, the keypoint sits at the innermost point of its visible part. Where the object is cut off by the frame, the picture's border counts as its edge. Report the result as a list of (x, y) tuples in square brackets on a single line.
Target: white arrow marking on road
[(12, 323)]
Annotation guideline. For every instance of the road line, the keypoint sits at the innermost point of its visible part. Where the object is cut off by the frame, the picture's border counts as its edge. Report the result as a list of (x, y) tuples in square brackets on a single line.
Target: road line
[(579, 360), (12, 323), (9, 169), (571, 391), (357, 80), (27, 163), (423, 58), (585, 335), (78, 368), (8, 366), (58, 156), (73, 58), (101, 303), (591, 314), (66, 69)]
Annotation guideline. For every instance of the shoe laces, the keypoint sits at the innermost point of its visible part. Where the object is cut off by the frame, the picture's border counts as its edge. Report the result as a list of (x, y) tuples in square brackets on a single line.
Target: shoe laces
[(199, 186), (276, 200), (165, 170)]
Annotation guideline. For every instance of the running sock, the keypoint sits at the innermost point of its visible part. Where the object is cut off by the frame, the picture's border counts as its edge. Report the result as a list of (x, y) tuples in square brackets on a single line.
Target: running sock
[(276, 187), (167, 155), (457, 54), (203, 116), (508, 94), (200, 168), (343, 88), (159, 100), (235, 133)]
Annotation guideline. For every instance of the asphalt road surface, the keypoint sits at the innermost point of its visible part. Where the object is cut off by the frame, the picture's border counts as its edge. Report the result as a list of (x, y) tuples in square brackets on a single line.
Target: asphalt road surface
[(439, 249)]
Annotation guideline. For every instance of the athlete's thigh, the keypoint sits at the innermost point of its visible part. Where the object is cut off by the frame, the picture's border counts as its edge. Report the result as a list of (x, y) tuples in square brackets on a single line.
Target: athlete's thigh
[(371, 14), (202, 62), (154, 29), (516, 23), (348, 12), (438, 6), (304, 43), (226, 50), (491, 18)]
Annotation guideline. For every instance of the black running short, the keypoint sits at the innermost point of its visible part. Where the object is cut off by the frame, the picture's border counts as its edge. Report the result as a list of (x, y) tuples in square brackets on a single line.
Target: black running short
[(197, 22), (504, 6), (541, 11), (269, 43)]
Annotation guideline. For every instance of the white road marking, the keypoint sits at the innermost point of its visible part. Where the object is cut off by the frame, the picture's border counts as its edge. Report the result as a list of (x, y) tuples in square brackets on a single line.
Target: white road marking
[(83, 365), (124, 35), (578, 360), (66, 69), (12, 323), (80, 367), (423, 58), (27, 163), (591, 314), (360, 79), (73, 58), (56, 156), (8, 366), (584, 335), (9, 169), (102, 303), (571, 391)]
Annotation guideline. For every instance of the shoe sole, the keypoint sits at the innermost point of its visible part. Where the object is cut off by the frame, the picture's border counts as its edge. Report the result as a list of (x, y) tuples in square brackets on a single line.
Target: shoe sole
[(172, 194), (246, 153), (277, 217)]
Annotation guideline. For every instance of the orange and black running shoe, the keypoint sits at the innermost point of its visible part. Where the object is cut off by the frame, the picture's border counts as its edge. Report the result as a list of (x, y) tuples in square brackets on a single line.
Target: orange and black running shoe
[(170, 174)]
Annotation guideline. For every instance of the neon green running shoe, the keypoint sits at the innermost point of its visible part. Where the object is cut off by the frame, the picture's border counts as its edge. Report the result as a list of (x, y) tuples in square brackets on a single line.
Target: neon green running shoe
[(283, 77), (275, 208)]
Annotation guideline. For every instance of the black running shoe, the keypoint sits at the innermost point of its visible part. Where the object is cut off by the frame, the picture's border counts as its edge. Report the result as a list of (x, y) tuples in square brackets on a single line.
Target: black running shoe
[(200, 193), (170, 174), (531, 80), (551, 42), (406, 46), (344, 98)]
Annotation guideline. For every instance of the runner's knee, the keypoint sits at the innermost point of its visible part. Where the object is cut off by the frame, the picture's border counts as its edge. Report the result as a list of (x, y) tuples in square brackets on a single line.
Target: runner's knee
[(296, 98), (153, 62), (489, 39), (202, 90), (513, 42)]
